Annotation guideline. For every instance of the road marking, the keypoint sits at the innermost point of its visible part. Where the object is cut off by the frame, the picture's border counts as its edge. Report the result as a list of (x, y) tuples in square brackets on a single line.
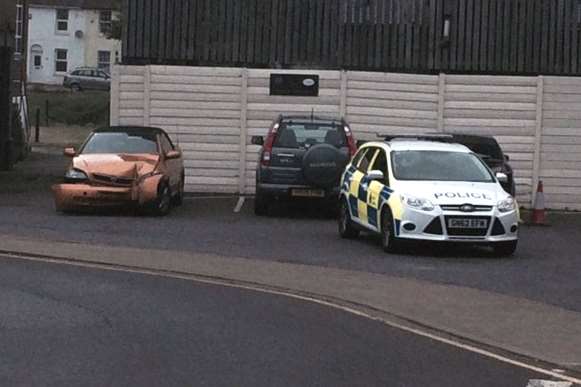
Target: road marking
[(239, 205), (560, 376), (548, 383), (207, 197)]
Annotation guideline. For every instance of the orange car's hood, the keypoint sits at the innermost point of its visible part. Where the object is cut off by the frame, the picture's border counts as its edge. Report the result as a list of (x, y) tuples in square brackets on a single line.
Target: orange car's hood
[(119, 165)]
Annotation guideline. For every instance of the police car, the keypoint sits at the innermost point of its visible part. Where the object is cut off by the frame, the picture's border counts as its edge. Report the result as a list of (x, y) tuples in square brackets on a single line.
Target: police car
[(408, 189)]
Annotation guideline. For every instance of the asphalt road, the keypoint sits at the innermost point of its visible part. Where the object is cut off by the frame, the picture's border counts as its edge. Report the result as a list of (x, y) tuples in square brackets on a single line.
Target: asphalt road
[(69, 326), (545, 268)]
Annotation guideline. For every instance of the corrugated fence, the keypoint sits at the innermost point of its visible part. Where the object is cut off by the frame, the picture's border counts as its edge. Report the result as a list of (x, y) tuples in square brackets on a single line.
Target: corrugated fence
[(213, 112)]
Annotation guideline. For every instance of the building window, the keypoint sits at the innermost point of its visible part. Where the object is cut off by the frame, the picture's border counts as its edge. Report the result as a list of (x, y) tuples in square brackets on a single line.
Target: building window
[(579, 12), (37, 61), (62, 20), (104, 61), (61, 60), (105, 22)]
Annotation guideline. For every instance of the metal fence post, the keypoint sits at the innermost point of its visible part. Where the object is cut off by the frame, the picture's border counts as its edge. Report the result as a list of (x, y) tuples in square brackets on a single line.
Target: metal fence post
[(37, 126), (441, 101), (243, 131), (46, 113), (343, 93), (538, 138)]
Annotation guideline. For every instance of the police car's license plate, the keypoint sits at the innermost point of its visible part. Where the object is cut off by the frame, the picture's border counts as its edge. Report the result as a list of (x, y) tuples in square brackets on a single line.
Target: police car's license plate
[(311, 193), (467, 223)]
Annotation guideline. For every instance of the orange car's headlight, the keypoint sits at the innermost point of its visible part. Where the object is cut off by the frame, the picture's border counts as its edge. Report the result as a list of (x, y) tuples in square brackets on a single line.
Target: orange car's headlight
[(75, 175)]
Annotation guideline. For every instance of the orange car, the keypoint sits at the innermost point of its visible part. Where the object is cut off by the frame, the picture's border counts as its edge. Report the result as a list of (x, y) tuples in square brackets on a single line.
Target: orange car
[(120, 166)]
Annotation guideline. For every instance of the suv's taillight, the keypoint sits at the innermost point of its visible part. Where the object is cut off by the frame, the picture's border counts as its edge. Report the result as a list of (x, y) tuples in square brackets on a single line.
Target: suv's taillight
[(268, 144), (350, 141)]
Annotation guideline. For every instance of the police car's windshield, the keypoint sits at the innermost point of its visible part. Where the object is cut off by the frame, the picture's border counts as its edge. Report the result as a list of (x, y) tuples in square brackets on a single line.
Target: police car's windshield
[(439, 166)]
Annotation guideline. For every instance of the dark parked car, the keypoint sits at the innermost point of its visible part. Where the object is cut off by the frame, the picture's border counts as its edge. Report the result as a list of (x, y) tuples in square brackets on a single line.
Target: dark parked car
[(302, 156), (490, 151), (87, 78)]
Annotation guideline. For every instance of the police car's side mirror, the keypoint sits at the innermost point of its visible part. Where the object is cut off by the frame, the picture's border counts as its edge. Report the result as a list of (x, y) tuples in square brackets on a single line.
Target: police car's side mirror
[(502, 177), (257, 140), (375, 175)]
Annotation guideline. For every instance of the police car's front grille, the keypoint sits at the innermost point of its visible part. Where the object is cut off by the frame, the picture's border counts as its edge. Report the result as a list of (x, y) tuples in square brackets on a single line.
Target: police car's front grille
[(469, 232), (454, 207)]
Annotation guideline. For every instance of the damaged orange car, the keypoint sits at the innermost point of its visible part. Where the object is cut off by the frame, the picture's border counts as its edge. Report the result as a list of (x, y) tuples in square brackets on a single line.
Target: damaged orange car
[(121, 166)]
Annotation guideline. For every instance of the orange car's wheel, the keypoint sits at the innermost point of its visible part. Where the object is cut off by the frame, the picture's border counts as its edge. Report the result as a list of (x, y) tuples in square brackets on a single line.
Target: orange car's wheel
[(162, 204), (179, 197)]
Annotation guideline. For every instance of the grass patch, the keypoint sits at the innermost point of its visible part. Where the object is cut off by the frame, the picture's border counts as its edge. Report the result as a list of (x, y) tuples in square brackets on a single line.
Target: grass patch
[(65, 107)]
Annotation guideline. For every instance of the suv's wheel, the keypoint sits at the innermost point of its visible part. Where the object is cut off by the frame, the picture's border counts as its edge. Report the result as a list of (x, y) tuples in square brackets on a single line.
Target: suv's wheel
[(347, 228), (76, 87), (323, 165), (504, 249), (261, 204), (389, 241), (162, 204)]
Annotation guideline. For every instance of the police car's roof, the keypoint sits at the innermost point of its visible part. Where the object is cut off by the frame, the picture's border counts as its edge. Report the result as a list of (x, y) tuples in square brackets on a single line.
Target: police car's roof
[(404, 145)]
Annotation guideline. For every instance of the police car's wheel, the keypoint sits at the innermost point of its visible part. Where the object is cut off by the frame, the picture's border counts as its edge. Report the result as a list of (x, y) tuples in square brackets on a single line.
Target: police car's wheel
[(261, 204), (346, 227), (505, 249), (389, 241)]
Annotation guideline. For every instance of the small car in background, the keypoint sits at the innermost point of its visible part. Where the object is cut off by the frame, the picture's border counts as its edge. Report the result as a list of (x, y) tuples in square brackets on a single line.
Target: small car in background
[(87, 78), (302, 156), (122, 166)]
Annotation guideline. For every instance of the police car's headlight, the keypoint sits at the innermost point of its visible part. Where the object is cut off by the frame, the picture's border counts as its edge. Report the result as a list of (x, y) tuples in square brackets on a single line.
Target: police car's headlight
[(419, 203), (75, 175), (506, 205)]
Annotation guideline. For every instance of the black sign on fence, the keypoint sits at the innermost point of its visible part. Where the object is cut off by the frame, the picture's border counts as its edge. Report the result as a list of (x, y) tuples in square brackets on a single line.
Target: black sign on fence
[(298, 85)]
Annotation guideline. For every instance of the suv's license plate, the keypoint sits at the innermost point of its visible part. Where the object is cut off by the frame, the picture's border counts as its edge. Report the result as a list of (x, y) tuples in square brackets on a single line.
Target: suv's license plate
[(468, 223), (310, 193)]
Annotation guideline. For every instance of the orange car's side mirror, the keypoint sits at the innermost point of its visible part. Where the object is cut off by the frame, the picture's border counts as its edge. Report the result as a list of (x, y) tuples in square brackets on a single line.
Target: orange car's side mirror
[(173, 154), (70, 152)]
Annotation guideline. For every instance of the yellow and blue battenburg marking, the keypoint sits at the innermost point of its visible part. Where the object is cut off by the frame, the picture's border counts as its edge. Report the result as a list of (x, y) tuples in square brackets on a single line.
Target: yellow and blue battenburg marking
[(365, 197)]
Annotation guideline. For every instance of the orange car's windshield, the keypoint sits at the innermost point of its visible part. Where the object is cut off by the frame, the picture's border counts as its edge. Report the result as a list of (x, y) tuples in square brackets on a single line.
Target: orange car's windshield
[(130, 143)]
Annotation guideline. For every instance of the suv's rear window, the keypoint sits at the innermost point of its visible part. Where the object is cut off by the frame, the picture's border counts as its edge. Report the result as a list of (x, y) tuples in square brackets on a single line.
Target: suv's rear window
[(305, 135)]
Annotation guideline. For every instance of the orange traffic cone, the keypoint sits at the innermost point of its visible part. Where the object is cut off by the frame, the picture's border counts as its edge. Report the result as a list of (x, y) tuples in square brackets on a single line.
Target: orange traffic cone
[(538, 217)]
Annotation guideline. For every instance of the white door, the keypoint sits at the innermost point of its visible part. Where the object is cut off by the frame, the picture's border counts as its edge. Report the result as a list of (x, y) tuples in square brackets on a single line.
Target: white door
[(37, 64)]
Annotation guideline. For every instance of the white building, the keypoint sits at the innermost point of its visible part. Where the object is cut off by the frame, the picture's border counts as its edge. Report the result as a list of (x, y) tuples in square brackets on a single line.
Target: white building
[(65, 34)]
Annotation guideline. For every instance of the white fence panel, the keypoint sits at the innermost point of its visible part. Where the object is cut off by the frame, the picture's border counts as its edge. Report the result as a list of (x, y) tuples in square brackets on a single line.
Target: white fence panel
[(560, 167), (503, 107), (387, 103)]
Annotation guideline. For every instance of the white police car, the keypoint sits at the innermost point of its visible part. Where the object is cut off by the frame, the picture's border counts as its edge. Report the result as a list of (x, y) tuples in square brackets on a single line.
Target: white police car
[(426, 190)]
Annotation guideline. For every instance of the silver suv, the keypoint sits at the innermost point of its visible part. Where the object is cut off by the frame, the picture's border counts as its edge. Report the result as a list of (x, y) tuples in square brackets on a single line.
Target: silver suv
[(87, 78)]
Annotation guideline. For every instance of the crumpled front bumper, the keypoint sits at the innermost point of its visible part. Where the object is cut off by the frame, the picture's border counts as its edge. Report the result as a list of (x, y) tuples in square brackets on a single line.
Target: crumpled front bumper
[(78, 196), (433, 226)]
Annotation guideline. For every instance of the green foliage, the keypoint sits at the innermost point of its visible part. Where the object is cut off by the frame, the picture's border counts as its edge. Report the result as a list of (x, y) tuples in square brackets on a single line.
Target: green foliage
[(82, 108)]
